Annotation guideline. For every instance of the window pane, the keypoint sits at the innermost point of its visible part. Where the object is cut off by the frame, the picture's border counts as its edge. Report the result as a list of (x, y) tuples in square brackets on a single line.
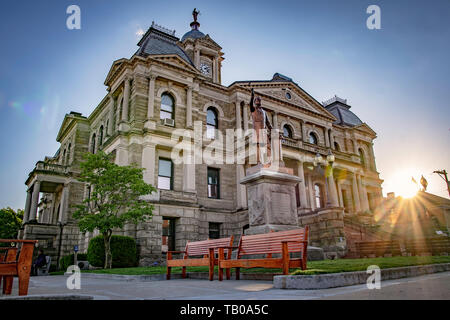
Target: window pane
[(212, 191), (211, 118), (213, 183), (165, 168), (210, 132), (312, 138), (166, 103), (164, 183), (165, 115)]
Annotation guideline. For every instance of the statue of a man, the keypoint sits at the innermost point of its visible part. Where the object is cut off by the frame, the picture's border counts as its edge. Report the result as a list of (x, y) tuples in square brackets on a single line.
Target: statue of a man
[(261, 125)]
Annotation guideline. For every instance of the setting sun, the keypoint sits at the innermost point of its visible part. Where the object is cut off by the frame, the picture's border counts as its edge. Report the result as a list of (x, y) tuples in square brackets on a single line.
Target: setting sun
[(403, 185)]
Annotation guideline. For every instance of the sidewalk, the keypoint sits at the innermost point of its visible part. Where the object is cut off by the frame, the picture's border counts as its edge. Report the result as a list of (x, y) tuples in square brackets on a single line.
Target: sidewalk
[(434, 286)]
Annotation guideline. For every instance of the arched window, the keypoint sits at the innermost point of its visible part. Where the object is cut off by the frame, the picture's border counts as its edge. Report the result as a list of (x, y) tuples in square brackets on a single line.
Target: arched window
[(93, 143), (361, 157), (318, 195), (312, 138), (287, 131), (100, 138), (336, 146), (167, 106), (212, 123)]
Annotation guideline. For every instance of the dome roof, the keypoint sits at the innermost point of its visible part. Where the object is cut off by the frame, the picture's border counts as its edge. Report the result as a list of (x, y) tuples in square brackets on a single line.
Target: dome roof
[(193, 34), (340, 109)]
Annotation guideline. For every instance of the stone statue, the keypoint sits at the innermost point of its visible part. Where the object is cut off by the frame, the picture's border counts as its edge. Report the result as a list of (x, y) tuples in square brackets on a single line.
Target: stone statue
[(261, 125), (195, 14)]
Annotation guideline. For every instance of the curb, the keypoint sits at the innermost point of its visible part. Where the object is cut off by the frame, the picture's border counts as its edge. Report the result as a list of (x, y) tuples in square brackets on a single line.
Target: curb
[(161, 277), (333, 280)]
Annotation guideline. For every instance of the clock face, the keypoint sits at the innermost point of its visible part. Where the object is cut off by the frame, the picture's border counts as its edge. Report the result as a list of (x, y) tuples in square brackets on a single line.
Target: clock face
[(205, 69)]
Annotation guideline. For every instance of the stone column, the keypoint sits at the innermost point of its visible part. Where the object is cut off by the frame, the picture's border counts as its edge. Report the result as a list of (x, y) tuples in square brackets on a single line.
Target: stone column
[(149, 162), (355, 146), (215, 70), (331, 140), (26, 214), (189, 173), (122, 155), (189, 107), (275, 120), (311, 193), (63, 205), (241, 190), (34, 201), (303, 127), (363, 195), (332, 191), (327, 138), (151, 97), (126, 99), (111, 115), (238, 115), (301, 186), (339, 190), (197, 58), (245, 115), (355, 194)]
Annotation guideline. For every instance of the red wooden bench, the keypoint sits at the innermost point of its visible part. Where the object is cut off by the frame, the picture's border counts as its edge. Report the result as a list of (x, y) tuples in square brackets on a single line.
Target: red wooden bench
[(17, 266), (206, 248), (282, 242)]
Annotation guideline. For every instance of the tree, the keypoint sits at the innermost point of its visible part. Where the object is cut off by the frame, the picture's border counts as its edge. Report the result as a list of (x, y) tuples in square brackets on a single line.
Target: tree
[(10, 223), (114, 198)]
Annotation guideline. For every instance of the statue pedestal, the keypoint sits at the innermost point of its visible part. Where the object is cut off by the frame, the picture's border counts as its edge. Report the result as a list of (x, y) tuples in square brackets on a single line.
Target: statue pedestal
[(272, 205)]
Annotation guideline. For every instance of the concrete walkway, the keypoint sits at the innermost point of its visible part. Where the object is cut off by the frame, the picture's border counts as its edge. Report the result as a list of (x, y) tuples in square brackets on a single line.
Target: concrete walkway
[(434, 286)]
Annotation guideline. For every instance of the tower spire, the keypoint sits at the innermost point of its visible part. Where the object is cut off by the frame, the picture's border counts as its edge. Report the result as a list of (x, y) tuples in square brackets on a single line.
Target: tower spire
[(195, 24)]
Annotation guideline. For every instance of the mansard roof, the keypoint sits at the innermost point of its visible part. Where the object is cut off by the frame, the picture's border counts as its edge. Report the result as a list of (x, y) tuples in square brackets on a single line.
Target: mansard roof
[(341, 110), (158, 40)]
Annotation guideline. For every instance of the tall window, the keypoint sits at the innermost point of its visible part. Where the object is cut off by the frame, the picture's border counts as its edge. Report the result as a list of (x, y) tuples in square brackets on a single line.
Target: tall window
[(167, 106), (165, 173), (312, 138), (93, 143), (287, 132), (214, 230), (361, 157), (100, 138), (212, 123), (213, 183), (318, 195)]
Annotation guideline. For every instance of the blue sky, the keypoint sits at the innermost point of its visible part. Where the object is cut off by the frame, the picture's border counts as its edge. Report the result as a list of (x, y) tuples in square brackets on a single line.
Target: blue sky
[(396, 79)]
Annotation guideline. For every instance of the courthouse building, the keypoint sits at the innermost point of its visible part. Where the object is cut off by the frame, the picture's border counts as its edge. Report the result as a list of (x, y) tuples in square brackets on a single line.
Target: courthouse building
[(171, 83)]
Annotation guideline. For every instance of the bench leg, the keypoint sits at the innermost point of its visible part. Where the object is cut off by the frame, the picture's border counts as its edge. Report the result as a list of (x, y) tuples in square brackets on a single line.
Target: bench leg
[(220, 273), (168, 273), (23, 284), (183, 272), (238, 273), (228, 271), (7, 284)]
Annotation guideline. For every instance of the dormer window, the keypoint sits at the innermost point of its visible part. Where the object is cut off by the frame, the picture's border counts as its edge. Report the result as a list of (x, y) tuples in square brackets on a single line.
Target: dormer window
[(287, 131)]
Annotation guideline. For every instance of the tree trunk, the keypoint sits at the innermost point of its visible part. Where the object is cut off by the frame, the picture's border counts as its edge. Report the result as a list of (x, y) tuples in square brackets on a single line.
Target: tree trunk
[(108, 255)]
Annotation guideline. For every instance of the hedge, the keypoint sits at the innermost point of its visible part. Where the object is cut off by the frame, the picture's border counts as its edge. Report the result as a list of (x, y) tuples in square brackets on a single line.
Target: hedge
[(123, 250), (68, 260)]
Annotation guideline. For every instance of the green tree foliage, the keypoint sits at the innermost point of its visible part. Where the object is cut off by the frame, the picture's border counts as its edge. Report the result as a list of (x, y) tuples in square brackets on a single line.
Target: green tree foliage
[(10, 223), (115, 198), (123, 250)]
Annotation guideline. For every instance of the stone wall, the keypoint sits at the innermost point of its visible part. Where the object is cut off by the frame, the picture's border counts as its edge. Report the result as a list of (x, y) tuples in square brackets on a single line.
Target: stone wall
[(326, 230)]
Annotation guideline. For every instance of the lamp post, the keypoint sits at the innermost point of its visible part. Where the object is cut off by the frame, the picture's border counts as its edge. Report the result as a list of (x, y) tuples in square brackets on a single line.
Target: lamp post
[(328, 162)]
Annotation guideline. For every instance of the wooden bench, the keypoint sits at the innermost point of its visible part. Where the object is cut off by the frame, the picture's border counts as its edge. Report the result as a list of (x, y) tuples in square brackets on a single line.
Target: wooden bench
[(206, 248), (378, 248), (19, 266), (281, 242), (428, 246)]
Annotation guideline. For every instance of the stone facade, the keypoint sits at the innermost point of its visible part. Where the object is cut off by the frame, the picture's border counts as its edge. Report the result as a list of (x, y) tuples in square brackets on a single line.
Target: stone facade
[(129, 124)]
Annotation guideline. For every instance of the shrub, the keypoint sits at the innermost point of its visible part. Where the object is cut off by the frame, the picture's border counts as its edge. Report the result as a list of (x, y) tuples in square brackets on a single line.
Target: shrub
[(123, 250), (69, 260)]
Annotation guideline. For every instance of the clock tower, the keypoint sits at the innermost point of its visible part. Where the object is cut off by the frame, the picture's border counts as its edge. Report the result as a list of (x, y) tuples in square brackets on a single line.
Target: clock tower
[(203, 51)]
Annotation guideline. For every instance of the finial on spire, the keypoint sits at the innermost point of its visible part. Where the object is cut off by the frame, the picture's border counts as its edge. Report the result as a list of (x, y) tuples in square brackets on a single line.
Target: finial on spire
[(195, 24)]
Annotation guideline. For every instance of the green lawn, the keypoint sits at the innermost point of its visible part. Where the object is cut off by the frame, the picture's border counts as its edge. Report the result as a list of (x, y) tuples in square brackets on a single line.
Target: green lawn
[(313, 267)]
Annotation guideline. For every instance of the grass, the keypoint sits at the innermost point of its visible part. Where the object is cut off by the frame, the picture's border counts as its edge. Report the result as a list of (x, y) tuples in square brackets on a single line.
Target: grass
[(313, 267)]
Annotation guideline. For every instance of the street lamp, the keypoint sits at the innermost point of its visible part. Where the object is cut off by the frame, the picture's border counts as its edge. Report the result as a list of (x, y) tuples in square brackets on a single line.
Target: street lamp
[(328, 162)]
